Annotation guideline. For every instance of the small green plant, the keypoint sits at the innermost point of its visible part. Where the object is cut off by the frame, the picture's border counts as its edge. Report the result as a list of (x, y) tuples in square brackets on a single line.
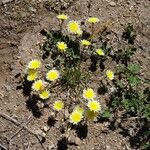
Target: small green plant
[(128, 95), (73, 77), (146, 146), (129, 34), (106, 114), (132, 74), (67, 68), (124, 55)]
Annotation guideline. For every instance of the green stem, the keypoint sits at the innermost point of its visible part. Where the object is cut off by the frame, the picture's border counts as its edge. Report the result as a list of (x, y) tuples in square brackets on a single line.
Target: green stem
[(61, 24), (92, 30)]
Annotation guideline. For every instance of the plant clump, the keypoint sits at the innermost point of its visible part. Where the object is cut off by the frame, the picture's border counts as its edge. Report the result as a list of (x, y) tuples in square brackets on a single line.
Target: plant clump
[(77, 59)]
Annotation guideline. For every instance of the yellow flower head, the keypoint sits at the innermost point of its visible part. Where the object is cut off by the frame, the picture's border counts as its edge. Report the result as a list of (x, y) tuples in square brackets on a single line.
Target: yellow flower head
[(52, 75), (100, 52), (44, 94), (74, 27), (79, 109), (38, 85), (34, 64), (62, 46), (58, 105), (110, 74), (76, 117), (94, 106), (85, 42), (32, 75), (62, 17), (88, 93), (92, 20), (91, 115)]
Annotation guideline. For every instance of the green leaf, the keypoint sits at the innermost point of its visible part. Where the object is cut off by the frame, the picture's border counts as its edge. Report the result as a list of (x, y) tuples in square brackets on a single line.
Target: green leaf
[(126, 103), (133, 80), (147, 112), (106, 114), (134, 68), (115, 102)]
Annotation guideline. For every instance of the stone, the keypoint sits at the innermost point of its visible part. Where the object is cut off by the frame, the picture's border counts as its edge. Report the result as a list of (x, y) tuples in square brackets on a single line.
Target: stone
[(77, 141), (6, 1), (32, 9), (45, 128), (112, 4), (74, 139), (50, 147)]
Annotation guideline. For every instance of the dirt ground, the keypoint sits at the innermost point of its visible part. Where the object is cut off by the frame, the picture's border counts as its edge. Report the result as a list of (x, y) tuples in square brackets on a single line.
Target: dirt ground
[(20, 24)]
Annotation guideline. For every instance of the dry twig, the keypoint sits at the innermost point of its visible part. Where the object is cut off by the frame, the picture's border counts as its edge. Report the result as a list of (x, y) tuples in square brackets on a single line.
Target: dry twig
[(3, 147), (5, 116)]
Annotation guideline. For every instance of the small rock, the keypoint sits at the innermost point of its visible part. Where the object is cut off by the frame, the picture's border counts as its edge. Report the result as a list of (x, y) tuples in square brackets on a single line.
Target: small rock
[(6, 1), (45, 128), (73, 139), (63, 96), (112, 89), (40, 104), (77, 141), (50, 147), (131, 8), (112, 4), (8, 88), (32, 9), (43, 134), (15, 116), (108, 147), (66, 113)]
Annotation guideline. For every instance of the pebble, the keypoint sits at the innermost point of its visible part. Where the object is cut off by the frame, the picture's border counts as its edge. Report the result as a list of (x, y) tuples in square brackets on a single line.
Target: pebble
[(15, 116), (6, 1), (7, 87), (108, 147), (45, 128), (32, 9), (112, 4), (66, 113), (50, 147), (74, 139), (112, 89), (77, 141)]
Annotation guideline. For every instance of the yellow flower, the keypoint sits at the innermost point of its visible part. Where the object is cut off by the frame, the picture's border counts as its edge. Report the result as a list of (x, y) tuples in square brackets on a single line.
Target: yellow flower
[(88, 93), (92, 20), (85, 42), (110, 74), (73, 27), (91, 115), (52, 75), (32, 75), (100, 52), (62, 17), (94, 105), (62, 46), (58, 105), (34, 64), (76, 117), (38, 85), (79, 109), (44, 94)]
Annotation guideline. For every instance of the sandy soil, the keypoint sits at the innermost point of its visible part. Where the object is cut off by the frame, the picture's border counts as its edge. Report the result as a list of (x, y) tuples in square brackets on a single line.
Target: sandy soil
[(20, 24)]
